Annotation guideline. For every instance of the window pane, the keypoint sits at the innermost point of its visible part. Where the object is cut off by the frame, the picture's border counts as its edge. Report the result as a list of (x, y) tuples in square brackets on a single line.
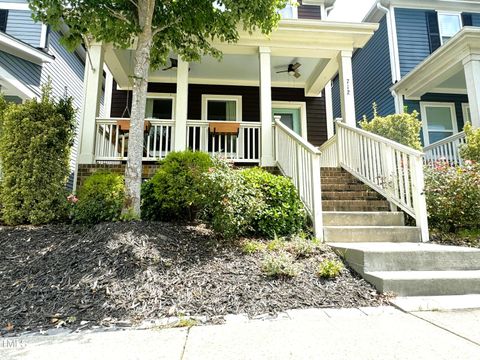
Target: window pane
[(449, 25), (286, 12), (439, 118), (437, 136), (286, 119), (159, 109), (222, 110)]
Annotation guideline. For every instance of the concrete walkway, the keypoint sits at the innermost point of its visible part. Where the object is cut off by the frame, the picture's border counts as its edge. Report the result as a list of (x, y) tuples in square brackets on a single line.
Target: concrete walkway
[(366, 333)]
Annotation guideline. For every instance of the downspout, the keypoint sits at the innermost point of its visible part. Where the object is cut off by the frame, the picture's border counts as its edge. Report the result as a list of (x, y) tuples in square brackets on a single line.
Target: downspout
[(398, 98)]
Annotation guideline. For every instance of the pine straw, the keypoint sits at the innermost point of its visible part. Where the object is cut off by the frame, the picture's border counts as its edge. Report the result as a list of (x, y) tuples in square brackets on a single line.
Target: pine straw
[(135, 271)]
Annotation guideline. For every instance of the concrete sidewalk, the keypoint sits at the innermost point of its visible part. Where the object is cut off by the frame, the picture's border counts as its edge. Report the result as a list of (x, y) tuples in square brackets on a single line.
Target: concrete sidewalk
[(366, 333)]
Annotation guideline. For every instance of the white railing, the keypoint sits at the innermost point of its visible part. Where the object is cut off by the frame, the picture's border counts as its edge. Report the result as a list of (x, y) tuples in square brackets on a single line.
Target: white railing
[(392, 169), (329, 153), (244, 147), (111, 141), (447, 149), (300, 161)]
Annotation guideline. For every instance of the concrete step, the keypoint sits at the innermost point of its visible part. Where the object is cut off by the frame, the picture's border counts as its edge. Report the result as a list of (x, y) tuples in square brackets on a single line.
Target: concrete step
[(351, 195), (347, 234), (354, 218), (368, 257), (426, 283), (355, 205)]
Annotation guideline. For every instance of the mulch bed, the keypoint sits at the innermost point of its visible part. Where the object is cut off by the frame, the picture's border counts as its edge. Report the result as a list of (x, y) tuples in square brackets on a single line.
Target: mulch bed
[(441, 238), (108, 273)]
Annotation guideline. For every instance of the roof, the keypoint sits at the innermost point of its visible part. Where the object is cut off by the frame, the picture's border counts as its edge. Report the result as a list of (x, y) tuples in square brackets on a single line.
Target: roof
[(376, 13), (23, 50)]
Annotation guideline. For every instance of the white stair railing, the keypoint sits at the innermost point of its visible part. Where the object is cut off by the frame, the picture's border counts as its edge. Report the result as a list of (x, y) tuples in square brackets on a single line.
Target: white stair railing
[(329, 153), (447, 149), (300, 161), (392, 169)]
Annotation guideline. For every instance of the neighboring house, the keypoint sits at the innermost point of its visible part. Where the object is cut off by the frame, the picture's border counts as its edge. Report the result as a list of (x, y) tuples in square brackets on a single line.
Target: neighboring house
[(425, 57), (31, 54)]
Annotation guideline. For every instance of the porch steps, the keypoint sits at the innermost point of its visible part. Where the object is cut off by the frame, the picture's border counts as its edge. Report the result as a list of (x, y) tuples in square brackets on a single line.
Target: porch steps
[(415, 269)]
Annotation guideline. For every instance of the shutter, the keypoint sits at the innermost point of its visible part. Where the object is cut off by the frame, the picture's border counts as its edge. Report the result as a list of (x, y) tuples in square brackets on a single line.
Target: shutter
[(467, 19), (3, 20), (433, 30)]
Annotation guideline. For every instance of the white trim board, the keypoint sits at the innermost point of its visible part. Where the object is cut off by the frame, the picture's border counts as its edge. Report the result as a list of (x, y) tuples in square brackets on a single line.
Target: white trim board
[(300, 105)]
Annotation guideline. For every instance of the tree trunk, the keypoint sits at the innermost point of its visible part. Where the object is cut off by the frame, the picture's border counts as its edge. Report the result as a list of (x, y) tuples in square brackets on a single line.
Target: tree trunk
[(133, 171)]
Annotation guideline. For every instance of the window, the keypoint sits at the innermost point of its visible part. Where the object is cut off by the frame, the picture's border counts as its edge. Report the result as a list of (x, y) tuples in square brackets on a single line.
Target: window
[(449, 24), (221, 108), (439, 121), (3, 20), (160, 106), (290, 11)]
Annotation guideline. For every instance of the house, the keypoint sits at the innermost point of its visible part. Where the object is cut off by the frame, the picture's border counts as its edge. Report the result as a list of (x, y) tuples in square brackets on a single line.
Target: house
[(425, 57), (31, 55)]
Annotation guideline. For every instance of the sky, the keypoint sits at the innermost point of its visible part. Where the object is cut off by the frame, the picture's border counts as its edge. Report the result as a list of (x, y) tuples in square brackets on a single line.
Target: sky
[(350, 10)]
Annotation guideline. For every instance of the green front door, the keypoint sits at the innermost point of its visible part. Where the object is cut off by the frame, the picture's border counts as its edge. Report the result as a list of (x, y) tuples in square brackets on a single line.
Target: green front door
[(290, 117)]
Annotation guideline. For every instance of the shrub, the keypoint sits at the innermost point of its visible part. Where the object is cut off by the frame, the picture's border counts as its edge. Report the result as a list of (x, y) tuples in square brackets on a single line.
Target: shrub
[(100, 198), (280, 265), (402, 128), (230, 205), (471, 150), (301, 246), (453, 196), (283, 212), (175, 191), (35, 144), (330, 269), (253, 246)]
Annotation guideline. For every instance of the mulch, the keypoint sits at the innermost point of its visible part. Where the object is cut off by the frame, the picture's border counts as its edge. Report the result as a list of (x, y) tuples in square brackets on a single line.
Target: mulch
[(61, 275), (453, 239)]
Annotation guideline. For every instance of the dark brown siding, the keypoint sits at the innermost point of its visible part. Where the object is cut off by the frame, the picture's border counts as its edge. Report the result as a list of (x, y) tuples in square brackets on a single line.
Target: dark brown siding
[(316, 113), (309, 12)]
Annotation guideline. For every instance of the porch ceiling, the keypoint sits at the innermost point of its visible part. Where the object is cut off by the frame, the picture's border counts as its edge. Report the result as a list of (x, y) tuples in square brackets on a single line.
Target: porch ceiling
[(314, 44), (442, 72)]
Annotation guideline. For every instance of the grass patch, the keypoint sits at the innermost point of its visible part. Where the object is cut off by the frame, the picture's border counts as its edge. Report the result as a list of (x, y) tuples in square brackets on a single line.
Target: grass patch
[(330, 269), (186, 322)]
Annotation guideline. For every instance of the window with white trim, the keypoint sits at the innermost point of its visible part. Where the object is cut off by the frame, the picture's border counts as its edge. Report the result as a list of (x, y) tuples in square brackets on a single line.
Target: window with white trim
[(290, 11), (439, 121), (160, 106), (221, 108), (467, 115), (450, 24)]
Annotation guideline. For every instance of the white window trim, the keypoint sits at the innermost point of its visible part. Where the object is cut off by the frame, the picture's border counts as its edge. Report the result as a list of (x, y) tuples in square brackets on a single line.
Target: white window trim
[(451, 13), (173, 97), (236, 98), (466, 112), (294, 10), (300, 105), (423, 113)]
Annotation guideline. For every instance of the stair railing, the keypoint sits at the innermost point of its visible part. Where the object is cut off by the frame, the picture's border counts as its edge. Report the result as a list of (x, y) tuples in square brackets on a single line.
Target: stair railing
[(300, 161), (392, 169), (329, 153)]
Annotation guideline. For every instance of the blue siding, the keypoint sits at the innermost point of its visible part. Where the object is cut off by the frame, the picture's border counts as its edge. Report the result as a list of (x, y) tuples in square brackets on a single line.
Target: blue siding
[(372, 75), (26, 72), (21, 26), (336, 104), (413, 40)]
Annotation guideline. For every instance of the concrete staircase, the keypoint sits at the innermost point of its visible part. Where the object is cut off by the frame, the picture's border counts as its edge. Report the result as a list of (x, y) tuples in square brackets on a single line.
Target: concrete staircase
[(377, 244), (355, 213), (409, 269)]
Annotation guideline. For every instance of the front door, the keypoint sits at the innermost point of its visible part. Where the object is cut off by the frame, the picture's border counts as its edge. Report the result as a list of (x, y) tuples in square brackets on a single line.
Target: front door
[(289, 117)]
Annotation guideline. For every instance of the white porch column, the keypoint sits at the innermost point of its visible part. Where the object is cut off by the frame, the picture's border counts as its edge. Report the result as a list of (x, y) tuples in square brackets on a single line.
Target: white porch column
[(346, 88), (471, 66), (329, 110), (181, 107), (107, 99), (92, 89), (267, 157)]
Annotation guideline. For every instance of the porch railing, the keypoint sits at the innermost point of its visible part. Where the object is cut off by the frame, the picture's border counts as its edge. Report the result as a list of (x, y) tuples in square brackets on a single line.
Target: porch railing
[(392, 169), (447, 149), (329, 153), (111, 140), (300, 161)]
